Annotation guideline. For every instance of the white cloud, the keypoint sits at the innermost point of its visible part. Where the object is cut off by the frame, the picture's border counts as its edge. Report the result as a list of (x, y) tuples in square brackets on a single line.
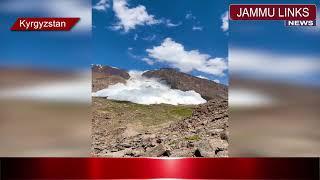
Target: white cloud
[(190, 16), (129, 18), (225, 21), (197, 28), (148, 61), (261, 63), (142, 90), (135, 37), (170, 24), (175, 55), (150, 38), (145, 59), (130, 53), (56, 8), (102, 5)]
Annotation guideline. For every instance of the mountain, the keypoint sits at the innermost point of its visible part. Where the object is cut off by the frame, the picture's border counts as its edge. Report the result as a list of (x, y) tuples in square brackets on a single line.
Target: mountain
[(127, 129), (209, 90), (103, 76)]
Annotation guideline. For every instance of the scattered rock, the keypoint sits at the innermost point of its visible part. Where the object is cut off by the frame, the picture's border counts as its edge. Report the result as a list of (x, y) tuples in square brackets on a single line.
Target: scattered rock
[(205, 149), (157, 151), (197, 153), (126, 145), (182, 153)]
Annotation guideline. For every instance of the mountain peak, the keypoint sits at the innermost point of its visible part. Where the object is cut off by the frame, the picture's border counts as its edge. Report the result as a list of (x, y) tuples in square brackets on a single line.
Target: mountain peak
[(103, 76)]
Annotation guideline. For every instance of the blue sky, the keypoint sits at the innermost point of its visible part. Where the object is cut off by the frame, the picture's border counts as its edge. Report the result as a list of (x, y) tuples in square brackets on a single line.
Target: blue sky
[(260, 49), (269, 50), (195, 27), (52, 50)]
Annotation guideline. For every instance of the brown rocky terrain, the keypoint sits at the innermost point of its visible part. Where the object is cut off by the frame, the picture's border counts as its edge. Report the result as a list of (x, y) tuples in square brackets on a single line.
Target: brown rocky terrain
[(203, 134), (103, 76), (125, 129), (185, 82)]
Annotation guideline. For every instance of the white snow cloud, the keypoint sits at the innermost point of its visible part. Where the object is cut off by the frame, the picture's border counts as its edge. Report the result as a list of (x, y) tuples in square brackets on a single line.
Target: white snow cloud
[(175, 55), (225, 21), (261, 63), (129, 18), (148, 61), (142, 90), (102, 5)]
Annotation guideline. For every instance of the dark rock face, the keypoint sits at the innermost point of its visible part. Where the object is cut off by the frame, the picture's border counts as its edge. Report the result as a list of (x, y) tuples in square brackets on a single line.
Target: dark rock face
[(209, 90), (103, 76)]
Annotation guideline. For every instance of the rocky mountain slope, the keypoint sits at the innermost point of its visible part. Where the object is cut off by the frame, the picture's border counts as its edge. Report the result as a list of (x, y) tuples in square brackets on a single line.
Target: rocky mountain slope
[(103, 76), (209, 90), (126, 129), (203, 134)]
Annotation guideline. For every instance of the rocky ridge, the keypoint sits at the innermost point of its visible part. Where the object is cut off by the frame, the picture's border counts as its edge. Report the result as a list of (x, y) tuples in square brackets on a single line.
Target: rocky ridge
[(103, 76), (209, 90)]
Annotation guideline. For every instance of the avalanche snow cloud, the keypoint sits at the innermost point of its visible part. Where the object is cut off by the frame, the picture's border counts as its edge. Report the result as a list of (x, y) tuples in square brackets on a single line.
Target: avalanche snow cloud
[(142, 90)]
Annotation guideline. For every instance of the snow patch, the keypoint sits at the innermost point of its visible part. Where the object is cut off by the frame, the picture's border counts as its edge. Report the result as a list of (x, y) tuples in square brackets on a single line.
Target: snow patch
[(142, 90)]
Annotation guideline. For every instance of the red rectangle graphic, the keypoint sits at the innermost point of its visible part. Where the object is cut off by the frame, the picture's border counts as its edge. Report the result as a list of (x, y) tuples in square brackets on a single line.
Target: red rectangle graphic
[(44, 24), (273, 12), (161, 168)]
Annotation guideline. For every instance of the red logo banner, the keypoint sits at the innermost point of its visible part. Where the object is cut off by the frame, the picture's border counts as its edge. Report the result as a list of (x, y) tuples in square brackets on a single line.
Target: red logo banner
[(273, 12), (44, 24)]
